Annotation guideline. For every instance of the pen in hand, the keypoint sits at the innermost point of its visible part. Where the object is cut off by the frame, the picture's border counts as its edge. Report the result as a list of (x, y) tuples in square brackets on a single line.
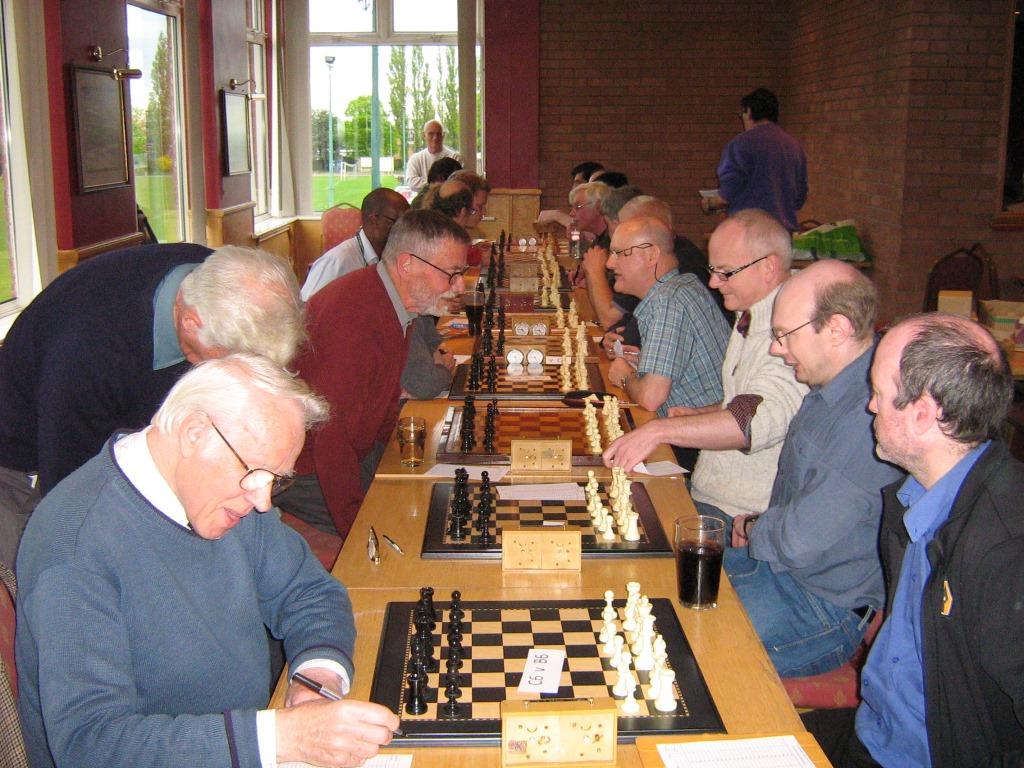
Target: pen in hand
[(313, 685)]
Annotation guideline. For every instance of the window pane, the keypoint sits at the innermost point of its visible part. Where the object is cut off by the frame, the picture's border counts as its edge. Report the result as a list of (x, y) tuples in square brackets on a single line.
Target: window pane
[(8, 272), (156, 121), (260, 138), (418, 16), (342, 15), (416, 84)]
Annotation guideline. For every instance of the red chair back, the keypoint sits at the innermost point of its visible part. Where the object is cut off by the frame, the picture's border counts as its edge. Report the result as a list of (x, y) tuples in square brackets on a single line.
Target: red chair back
[(338, 224)]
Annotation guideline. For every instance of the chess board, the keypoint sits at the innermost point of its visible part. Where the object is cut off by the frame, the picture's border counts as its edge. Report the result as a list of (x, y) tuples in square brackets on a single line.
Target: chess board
[(522, 424), (563, 284), (524, 387), (528, 302), (552, 345), (437, 544), (497, 637)]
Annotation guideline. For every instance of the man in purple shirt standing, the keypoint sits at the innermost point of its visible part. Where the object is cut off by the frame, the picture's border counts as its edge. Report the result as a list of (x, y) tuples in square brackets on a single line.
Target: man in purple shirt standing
[(764, 167)]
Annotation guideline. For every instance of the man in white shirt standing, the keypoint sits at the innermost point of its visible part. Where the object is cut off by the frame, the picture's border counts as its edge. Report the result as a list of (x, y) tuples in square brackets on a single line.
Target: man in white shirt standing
[(380, 209), (420, 162)]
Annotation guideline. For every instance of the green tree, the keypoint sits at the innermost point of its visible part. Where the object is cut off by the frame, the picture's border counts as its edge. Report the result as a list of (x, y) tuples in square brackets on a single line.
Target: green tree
[(160, 110), (448, 94), (320, 142), (420, 88), (138, 132), (396, 100), (357, 126)]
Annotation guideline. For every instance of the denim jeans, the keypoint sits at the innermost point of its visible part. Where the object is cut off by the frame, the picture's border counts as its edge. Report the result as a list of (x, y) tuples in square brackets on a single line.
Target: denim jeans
[(803, 634)]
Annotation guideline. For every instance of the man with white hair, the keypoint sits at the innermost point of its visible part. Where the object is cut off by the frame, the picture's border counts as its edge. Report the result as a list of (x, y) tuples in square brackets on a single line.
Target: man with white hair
[(99, 348), (147, 585), (419, 164), (741, 437), (358, 343)]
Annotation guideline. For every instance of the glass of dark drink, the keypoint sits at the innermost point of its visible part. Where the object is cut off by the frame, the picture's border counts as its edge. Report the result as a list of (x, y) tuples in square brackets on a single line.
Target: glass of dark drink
[(473, 302), (699, 545)]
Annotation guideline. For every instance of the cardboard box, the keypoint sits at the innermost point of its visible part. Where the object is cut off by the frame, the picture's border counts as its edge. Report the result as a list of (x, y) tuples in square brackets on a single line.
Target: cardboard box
[(1000, 317)]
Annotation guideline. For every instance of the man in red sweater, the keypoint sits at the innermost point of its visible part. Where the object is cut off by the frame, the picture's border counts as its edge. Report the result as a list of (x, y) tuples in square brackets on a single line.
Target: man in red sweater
[(358, 343)]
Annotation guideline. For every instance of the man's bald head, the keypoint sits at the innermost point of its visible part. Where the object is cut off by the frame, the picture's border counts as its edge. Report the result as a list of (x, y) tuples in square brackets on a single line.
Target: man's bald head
[(833, 287), (647, 205), (433, 134), (647, 229)]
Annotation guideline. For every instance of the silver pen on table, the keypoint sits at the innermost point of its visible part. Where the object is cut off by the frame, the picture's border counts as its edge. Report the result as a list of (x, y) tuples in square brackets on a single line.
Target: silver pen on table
[(373, 547), (393, 544)]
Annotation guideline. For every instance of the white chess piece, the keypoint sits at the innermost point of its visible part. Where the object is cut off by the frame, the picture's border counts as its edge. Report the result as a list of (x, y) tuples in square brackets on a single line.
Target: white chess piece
[(644, 645), (618, 650), (666, 701), (622, 682), (632, 527), (630, 706)]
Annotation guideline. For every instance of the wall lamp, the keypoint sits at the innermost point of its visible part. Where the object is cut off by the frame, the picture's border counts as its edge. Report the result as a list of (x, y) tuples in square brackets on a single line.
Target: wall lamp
[(96, 53), (234, 83)]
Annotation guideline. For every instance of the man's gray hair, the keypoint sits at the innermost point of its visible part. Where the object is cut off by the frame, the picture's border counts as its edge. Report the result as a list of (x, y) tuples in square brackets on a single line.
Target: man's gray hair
[(419, 232), (595, 191), (965, 372), (222, 387), (616, 198), (248, 301), (647, 205), (855, 298), (764, 234)]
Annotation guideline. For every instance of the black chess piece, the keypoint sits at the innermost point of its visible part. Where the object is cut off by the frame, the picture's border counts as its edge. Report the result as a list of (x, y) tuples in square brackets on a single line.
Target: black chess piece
[(451, 709), (427, 599), (415, 703), (489, 427), (486, 537), (492, 374), (424, 624), (487, 341), (501, 339)]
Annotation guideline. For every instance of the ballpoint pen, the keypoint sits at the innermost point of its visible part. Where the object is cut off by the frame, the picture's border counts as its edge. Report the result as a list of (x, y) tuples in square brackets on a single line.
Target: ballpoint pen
[(393, 544), (373, 547), (326, 692)]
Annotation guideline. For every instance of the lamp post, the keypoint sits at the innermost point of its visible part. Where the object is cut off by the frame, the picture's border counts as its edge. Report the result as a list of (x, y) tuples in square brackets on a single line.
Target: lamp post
[(329, 61)]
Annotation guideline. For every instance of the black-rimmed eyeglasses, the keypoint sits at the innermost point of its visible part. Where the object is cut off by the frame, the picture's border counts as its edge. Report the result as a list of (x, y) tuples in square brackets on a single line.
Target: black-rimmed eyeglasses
[(778, 337), (452, 276), (626, 251), (256, 479), (725, 274)]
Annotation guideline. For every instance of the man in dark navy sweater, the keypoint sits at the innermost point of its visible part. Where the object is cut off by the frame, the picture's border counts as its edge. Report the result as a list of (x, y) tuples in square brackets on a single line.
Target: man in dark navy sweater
[(99, 348)]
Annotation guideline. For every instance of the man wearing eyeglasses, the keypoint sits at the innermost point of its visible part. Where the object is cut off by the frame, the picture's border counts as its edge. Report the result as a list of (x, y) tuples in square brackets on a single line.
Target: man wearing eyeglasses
[(682, 333), (147, 583), (380, 210), (807, 568), (740, 437), (358, 343)]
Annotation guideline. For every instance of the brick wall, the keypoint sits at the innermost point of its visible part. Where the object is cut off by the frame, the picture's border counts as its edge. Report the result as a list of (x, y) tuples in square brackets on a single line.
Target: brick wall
[(899, 107)]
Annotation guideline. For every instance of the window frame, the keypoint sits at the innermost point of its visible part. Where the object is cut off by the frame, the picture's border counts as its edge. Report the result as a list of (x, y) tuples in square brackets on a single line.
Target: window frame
[(258, 40)]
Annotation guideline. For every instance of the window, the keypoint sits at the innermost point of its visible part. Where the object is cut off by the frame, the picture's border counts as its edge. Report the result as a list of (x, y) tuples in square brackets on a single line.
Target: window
[(157, 147), (256, 35), (28, 244), (363, 132)]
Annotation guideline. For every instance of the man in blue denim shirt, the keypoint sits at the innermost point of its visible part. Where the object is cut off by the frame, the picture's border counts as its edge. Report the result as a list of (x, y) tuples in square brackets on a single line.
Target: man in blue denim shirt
[(944, 682), (809, 574)]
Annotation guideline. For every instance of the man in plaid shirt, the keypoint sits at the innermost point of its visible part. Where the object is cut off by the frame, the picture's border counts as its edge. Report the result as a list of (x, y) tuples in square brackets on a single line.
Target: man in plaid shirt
[(683, 334)]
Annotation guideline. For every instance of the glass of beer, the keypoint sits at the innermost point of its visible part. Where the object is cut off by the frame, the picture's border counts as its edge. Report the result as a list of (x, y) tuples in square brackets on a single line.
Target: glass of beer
[(412, 439), (473, 302), (699, 545)]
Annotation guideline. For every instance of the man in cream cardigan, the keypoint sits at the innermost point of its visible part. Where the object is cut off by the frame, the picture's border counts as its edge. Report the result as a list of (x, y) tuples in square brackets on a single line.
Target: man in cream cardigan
[(750, 255)]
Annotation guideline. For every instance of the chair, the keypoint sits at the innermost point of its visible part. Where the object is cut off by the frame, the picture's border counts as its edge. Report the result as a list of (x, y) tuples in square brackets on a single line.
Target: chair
[(838, 689), (12, 744), (338, 224), (965, 269)]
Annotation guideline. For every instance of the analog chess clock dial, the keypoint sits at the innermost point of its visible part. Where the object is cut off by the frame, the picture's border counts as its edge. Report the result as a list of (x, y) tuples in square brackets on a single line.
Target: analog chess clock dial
[(522, 328), (539, 329), (515, 356), (534, 357)]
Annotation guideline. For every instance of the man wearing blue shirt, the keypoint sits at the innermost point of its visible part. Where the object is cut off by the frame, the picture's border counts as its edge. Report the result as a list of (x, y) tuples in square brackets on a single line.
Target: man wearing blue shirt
[(807, 568), (944, 682)]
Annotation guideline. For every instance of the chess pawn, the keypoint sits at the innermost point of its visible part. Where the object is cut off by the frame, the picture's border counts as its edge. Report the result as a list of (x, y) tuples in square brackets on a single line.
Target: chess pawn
[(607, 529), (666, 700), (625, 677), (591, 481), (630, 706), (642, 647), (632, 527), (559, 316), (618, 651)]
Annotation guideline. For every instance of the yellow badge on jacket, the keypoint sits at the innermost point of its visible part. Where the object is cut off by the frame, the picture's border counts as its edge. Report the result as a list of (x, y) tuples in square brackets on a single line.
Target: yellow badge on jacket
[(947, 598)]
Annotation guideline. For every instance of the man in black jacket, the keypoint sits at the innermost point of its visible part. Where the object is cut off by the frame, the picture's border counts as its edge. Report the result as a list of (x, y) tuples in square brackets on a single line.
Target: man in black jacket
[(944, 682)]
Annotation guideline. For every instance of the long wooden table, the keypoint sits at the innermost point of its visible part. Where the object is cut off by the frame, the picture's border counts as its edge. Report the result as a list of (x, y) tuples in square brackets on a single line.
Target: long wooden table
[(742, 680)]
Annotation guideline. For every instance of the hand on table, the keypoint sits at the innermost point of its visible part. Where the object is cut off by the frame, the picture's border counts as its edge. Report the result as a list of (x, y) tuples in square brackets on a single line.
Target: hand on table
[(445, 358), (629, 352), (336, 733), (633, 447), (620, 368), (298, 693)]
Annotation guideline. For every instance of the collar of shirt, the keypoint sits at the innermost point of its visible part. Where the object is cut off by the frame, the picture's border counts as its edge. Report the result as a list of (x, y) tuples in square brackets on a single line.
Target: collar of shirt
[(133, 457), (404, 316), (760, 315), (663, 279), (166, 348), (369, 255), (853, 375), (929, 508)]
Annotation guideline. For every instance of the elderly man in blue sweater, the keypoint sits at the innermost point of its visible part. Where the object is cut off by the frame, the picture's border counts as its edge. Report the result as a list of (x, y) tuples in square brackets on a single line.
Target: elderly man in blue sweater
[(146, 582)]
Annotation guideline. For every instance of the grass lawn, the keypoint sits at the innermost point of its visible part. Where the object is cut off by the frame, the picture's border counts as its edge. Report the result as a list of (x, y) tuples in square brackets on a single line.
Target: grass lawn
[(158, 196), (351, 189), (6, 270)]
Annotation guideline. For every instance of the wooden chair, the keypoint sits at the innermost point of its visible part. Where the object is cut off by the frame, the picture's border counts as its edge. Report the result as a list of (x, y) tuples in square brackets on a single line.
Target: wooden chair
[(338, 224), (12, 744), (965, 269), (838, 689)]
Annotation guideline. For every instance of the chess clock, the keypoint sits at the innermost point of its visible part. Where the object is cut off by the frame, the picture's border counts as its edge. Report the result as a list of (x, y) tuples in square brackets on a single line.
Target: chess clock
[(522, 328), (535, 357), (515, 356), (539, 329)]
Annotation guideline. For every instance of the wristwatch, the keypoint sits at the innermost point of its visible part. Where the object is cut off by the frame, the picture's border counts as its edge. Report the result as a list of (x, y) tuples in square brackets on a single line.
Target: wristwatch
[(625, 379)]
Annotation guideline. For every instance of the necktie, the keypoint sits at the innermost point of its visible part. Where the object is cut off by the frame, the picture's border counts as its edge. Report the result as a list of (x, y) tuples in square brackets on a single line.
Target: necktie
[(743, 324)]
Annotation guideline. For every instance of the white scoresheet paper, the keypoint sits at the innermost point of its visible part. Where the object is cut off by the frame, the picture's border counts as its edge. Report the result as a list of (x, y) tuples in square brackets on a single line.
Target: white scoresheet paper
[(767, 752)]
